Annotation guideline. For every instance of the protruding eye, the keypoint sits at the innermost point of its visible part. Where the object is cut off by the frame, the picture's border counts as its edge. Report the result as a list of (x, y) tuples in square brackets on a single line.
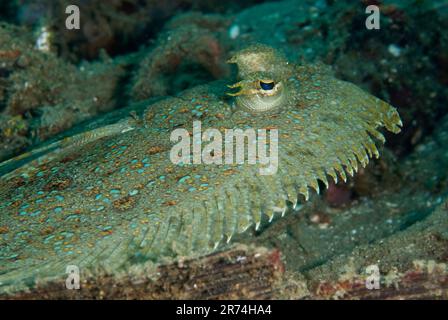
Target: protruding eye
[(267, 85)]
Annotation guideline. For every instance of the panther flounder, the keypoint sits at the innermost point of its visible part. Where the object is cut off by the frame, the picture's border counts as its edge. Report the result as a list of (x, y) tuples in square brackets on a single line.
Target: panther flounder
[(112, 197)]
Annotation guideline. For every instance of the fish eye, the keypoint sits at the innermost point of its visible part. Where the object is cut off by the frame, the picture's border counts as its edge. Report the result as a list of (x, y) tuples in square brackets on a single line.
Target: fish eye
[(267, 85)]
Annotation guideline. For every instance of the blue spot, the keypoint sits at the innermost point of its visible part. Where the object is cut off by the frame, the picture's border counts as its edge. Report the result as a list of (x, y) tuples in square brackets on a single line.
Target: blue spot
[(59, 198), (150, 183), (35, 213), (192, 189), (67, 234), (140, 171), (134, 161), (98, 196), (181, 180), (47, 239), (58, 209), (133, 192)]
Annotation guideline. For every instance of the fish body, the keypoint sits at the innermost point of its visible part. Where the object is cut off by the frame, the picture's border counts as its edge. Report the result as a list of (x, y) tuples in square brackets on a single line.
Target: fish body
[(117, 198)]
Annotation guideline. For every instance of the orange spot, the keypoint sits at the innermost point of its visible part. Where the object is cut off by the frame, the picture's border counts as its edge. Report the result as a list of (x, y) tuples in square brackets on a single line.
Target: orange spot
[(4, 229), (46, 231), (138, 165), (169, 170), (15, 204), (106, 233), (155, 149), (124, 203), (170, 203), (229, 172)]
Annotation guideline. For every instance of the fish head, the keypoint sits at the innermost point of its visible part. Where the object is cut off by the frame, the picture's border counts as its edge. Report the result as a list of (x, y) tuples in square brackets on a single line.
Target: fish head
[(264, 84)]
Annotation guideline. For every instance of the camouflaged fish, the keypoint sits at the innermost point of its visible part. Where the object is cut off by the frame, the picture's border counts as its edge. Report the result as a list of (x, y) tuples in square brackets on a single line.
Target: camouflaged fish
[(112, 196)]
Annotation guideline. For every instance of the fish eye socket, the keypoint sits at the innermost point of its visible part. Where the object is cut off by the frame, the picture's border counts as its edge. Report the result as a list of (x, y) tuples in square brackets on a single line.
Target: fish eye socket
[(267, 85)]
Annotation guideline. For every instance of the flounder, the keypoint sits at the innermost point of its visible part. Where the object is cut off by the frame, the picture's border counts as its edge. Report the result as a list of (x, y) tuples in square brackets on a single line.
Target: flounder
[(113, 196)]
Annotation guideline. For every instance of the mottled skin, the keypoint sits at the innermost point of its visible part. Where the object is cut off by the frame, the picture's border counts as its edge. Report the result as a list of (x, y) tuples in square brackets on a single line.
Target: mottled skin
[(115, 198)]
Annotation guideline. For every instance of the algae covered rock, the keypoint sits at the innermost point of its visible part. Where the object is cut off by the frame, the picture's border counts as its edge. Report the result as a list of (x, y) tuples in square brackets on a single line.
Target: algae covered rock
[(42, 95)]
